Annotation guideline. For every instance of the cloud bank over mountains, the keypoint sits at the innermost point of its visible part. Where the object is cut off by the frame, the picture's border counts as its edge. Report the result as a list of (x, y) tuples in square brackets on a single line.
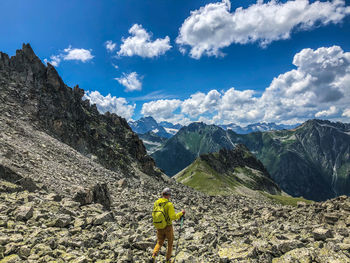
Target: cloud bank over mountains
[(318, 87), (213, 27)]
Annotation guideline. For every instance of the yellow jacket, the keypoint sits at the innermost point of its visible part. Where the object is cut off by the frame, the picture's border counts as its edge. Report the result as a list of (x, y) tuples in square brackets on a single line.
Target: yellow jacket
[(169, 210)]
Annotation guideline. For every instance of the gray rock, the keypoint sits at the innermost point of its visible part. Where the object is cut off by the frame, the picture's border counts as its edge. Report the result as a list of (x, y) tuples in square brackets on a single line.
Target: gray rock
[(12, 259), (144, 245), (101, 195), (287, 245), (105, 217), (83, 196), (54, 197), (63, 221), (331, 218), (122, 183), (24, 252), (24, 212), (322, 234)]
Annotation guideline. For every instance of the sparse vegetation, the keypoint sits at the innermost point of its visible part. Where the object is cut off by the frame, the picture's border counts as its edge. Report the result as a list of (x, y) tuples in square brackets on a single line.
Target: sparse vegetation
[(286, 200)]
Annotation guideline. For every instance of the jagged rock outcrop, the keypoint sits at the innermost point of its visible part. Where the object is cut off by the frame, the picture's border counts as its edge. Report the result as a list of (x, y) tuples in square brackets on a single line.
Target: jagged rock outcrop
[(38, 94)]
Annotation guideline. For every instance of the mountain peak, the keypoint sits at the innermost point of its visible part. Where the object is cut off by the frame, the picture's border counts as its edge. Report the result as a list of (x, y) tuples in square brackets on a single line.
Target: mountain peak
[(28, 51), (59, 111)]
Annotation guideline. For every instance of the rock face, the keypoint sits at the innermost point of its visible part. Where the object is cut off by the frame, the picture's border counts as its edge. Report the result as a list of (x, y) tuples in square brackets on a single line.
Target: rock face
[(37, 93), (61, 215), (228, 172), (311, 160)]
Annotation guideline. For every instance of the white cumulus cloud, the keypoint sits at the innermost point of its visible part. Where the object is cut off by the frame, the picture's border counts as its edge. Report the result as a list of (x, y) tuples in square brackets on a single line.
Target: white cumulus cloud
[(326, 113), (70, 53), (140, 44), (131, 81), (110, 46), (80, 54), (160, 109), (54, 60), (318, 87), (213, 27), (320, 81), (346, 113), (200, 103), (110, 103)]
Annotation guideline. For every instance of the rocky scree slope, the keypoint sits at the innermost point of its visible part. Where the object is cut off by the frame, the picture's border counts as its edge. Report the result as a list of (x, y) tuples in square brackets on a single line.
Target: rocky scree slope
[(228, 172), (58, 204)]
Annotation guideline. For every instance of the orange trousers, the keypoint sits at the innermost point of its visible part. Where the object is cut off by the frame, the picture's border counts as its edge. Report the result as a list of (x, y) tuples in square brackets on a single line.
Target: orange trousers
[(162, 234)]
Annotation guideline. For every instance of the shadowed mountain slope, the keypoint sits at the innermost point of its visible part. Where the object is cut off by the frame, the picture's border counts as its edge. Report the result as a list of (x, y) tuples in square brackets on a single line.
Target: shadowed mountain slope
[(227, 172)]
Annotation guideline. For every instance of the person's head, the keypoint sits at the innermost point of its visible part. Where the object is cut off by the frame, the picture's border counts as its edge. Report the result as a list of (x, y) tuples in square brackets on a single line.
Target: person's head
[(166, 193)]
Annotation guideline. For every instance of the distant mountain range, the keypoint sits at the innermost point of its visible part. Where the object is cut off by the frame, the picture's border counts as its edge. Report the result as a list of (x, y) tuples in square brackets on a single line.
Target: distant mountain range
[(167, 129), (149, 124), (311, 160), (257, 127)]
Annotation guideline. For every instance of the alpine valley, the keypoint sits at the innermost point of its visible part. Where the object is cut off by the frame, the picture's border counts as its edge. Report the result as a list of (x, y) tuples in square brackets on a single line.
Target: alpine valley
[(312, 160), (78, 186)]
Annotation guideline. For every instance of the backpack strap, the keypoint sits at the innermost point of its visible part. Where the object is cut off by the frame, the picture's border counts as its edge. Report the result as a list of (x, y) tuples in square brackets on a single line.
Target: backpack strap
[(167, 218)]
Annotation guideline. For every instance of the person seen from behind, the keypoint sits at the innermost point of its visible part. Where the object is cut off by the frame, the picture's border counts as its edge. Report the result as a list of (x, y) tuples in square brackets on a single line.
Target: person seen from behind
[(163, 214)]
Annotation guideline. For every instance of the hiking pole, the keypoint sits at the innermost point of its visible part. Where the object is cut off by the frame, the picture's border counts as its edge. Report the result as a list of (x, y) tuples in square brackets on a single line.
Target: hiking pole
[(177, 244)]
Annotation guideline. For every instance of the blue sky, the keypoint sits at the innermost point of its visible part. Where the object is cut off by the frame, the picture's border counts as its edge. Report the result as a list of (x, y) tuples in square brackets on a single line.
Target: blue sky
[(184, 61)]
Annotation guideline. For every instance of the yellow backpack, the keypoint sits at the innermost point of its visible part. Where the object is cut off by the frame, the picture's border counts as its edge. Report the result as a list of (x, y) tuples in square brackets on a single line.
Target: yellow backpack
[(159, 215)]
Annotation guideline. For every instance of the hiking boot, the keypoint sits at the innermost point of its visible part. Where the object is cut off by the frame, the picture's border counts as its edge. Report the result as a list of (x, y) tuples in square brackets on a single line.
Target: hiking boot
[(152, 259)]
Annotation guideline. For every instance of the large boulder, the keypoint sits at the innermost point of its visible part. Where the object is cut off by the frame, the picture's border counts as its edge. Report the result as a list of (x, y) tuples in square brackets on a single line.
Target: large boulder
[(24, 212), (83, 196), (101, 195), (322, 234), (105, 217)]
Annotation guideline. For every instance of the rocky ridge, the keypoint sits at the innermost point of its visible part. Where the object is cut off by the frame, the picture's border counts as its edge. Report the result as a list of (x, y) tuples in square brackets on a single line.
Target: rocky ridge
[(226, 172), (36, 93), (61, 204)]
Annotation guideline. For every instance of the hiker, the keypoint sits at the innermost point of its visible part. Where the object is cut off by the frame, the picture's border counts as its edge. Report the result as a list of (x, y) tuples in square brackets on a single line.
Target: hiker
[(163, 215)]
